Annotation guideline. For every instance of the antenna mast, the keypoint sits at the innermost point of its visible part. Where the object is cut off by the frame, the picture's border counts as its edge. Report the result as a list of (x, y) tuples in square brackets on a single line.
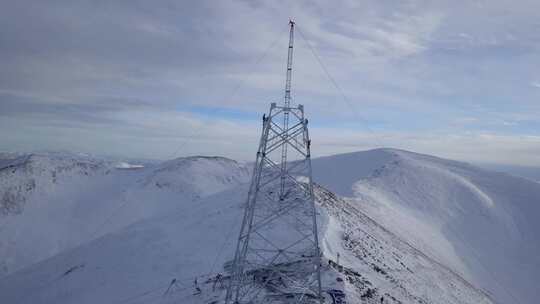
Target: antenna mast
[(289, 65), (277, 256), (287, 104)]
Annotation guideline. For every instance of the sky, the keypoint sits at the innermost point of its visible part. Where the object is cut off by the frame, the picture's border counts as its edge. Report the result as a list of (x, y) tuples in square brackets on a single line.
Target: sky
[(163, 79)]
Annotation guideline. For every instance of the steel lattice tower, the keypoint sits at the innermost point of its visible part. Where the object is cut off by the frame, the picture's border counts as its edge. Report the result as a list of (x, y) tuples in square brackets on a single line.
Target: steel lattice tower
[(277, 256)]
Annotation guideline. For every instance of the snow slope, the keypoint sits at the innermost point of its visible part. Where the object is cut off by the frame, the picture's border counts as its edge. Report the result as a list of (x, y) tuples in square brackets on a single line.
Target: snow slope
[(157, 260), (482, 224), (409, 228), (55, 201), (197, 176), (385, 263), (22, 175), (122, 267)]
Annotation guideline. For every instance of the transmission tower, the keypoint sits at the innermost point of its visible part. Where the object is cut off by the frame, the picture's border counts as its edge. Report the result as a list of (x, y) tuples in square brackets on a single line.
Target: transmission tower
[(277, 256)]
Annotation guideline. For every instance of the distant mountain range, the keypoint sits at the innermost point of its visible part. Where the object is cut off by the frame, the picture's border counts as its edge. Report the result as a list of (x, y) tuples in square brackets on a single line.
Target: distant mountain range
[(409, 228)]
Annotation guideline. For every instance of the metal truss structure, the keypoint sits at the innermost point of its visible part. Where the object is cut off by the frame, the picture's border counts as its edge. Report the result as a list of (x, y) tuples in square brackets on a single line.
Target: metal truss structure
[(277, 258)]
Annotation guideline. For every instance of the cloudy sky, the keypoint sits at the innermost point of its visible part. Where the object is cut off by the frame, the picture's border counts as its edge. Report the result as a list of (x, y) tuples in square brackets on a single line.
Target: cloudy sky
[(159, 79)]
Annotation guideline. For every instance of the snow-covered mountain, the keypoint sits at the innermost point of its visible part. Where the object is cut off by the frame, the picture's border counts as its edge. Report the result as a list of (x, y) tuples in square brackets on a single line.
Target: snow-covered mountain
[(482, 224), (54, 201), (197, 176), (158, 260), (409, 228), (22, 175)]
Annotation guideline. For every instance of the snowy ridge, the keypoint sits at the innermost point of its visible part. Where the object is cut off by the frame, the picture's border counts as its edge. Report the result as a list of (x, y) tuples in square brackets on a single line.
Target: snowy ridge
[(389, 267), (157, 261), (22, 175), (409, 228), (197, 176), (479, 223), (55, 201)]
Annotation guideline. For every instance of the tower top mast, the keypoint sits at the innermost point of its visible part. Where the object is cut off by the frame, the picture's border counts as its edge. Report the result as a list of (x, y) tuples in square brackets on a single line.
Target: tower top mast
[(289, 66), (286, 108)]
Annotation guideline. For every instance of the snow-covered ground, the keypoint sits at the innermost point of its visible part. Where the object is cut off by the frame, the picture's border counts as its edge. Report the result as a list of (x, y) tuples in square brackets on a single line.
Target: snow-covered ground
[(386, 264), (480, 223), (52, 202), (409, 228), (157, 260)]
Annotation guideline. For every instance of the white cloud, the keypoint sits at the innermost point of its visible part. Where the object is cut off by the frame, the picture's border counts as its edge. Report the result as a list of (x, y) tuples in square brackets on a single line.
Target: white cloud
[(121, 78), (162, 135)]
